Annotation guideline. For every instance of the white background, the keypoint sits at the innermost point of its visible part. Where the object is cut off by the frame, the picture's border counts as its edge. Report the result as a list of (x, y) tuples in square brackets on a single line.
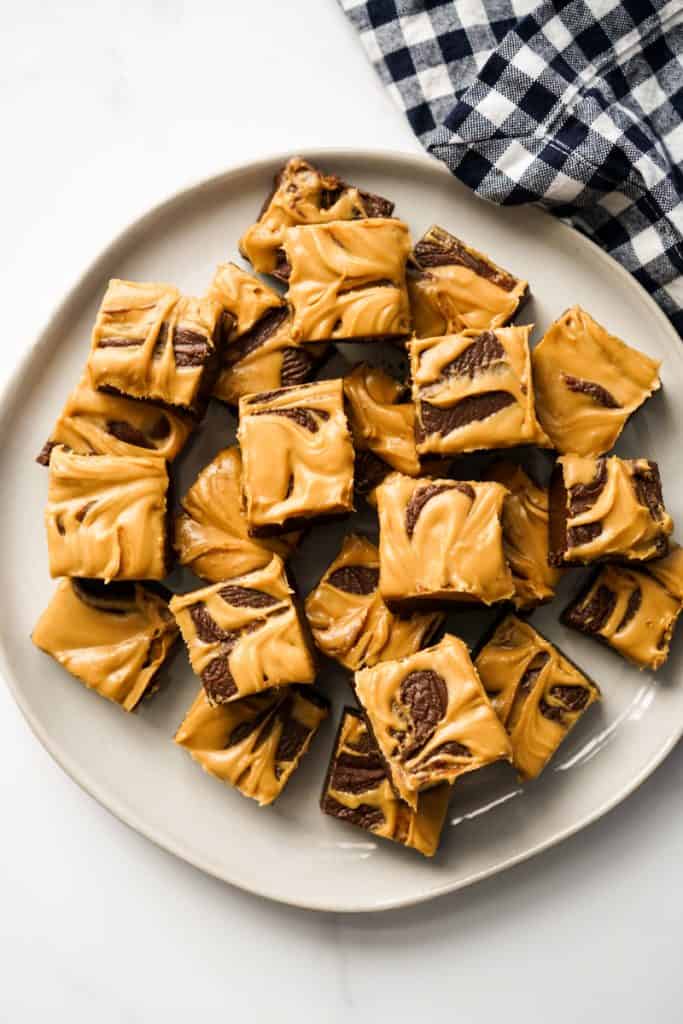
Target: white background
[(107, 108)]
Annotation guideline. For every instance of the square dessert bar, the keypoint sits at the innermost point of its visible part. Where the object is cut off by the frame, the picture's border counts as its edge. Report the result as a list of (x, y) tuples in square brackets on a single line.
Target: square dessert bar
[(244, 635), (259, 353), (151, 342), (113, 637), (211, 534), (536, 691), (430, 718), (349, 620), (348, 282), (441, 540), (474, 390), (453, 287), (382, 421), (256, 743), (106, 516), (95, 423), (525, 535), (301, 194), (358, 790), (588, 383), (633, 609), (297, 456), (606, 509)]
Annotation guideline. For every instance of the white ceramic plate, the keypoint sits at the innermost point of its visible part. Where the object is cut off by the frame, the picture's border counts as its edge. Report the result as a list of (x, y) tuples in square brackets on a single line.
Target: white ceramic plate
[(291, 852)]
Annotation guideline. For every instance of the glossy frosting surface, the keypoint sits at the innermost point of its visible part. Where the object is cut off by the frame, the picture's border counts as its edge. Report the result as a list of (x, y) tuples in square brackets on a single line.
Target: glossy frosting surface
[(381, 418)]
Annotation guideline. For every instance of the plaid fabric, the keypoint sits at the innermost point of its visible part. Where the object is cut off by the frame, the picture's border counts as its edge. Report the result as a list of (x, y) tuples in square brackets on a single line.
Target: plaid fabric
[(574, 104)]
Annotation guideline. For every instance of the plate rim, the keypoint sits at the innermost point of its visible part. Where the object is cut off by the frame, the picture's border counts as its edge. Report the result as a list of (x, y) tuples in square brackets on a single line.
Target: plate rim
[(83, 778)]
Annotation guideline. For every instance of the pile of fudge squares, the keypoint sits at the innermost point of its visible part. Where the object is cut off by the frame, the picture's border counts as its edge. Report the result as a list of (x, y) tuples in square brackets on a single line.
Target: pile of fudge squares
[(426, 709)]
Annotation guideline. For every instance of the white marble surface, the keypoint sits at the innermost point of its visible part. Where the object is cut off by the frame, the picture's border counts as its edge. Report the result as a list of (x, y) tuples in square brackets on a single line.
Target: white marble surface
[(105, 109)]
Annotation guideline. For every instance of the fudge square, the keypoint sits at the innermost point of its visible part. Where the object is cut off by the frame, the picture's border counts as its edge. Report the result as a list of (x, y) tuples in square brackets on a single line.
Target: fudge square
[(358, 790), (106, 516), (348, 282), (453, 287), (606, 509), (525, 535), (113, 637), (254, 744), (349, 620), (441, 540), (302, 194), (430, 717), (474, 390), (537, 692), (258, 352), (243, 635), (633, 609), (151, 342), (588, 383), (297, 456), (211, 534), (95, 423)]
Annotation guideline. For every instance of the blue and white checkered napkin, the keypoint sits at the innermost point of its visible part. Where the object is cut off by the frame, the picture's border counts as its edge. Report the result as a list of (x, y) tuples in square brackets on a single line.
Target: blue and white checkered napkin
[(576, 104)]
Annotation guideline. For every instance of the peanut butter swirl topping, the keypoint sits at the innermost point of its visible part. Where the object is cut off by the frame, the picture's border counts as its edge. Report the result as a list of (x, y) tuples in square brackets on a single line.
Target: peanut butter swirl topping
[(359, 791), (113, 638), (588, 383), (381, 418), (430, 717), (256, 743), (349, 619), (538, 694)]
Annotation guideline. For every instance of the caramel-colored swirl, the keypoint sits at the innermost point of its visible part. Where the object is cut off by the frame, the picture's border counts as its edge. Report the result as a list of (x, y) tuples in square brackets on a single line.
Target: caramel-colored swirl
[(106, 516), (297, 454), (588, 383), (359, 791), (243, 635), (95, 423), (442, 539), (538, 694), (474, 390), (150, 342), (349, 619), (211, 535), (113, 639), (525, 535), (254, 744), (381, 420), (348, 280), (431, 717), (244, 296)]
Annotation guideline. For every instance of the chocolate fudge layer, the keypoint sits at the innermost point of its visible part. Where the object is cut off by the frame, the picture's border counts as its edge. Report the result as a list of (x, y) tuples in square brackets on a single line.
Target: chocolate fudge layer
[(441, 540), (95, 423), (453, 287), (474, 390), (114, 637), (256, 743), (606, 509), (633, 610), (358, 790), (350, 621), (259, 353), (244, 635), (588, 383), (537, 692), (302, 194), (525, 535), (211, 534), (347, 281), (382, 421), (297, 456), (151, 342), (430, 717), (106, 516)]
